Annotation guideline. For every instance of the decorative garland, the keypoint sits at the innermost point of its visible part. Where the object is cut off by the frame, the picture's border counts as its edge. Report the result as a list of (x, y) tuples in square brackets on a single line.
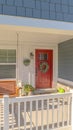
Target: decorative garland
[(44, 67)]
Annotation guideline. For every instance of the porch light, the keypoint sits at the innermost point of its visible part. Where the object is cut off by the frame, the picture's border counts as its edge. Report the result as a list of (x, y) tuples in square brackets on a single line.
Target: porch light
[(31, 55)]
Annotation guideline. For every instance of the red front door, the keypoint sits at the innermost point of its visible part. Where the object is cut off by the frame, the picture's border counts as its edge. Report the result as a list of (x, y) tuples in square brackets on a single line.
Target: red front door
[(43, 68)]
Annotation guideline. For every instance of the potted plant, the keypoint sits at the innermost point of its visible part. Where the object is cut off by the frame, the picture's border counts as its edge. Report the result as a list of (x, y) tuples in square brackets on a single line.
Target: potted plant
[(28, 89), (61, 90)]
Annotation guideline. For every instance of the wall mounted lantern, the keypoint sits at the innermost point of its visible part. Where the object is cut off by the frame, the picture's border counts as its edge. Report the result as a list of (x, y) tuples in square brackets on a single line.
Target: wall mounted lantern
[(31, 55)]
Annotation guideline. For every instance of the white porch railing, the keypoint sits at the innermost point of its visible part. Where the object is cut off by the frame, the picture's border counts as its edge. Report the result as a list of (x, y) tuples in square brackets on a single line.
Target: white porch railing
[(37, 112)]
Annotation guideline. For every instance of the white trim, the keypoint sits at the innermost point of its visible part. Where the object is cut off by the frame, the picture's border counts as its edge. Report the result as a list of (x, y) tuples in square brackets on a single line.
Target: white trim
[(8, 79), (7, 63), (33, 22), (64, 81)]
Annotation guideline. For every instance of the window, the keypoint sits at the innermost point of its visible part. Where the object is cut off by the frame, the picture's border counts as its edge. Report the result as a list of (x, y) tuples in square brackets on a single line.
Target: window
[(7, 63), (43, 56)]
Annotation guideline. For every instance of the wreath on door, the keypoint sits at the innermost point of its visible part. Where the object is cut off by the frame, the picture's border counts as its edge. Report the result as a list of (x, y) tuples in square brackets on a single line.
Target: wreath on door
[(44, 67)]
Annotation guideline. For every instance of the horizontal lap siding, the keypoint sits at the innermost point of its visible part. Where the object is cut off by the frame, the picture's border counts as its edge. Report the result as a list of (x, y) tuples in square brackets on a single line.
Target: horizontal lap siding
[(61, 10), (65, 58)]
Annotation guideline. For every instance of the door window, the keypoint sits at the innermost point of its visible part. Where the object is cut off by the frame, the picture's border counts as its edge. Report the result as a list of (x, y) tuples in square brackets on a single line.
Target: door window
[(43, 56)]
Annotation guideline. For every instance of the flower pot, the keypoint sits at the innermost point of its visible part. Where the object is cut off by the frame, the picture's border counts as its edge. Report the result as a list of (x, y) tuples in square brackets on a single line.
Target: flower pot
[(29, 93)]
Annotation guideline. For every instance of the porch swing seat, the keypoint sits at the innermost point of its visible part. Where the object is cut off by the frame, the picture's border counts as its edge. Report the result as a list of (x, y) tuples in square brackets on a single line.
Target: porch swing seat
[(8, 87)]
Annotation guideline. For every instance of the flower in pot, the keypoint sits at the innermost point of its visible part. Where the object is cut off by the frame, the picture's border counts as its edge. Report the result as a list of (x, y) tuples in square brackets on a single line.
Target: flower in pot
[(28, 89)]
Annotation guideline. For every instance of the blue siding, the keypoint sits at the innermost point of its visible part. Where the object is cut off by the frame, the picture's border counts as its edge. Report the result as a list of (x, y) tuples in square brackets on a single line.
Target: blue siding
[(20, 11), (68, 17), (36, 13), (38, 4), (52, 7), (18, 3), (60, 10), (2, 1), (60, 16), (45, 14), (55, 1), (45, 6), (0, 9), (65, 60), (29, 3), (52, 15), (10, 2), (65, 2), (11, 10), (65, 9), (71, 2), (28, 12), (71, 9)]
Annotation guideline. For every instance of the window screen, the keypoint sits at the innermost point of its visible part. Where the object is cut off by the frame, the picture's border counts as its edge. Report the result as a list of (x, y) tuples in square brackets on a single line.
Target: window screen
[(7, 64)]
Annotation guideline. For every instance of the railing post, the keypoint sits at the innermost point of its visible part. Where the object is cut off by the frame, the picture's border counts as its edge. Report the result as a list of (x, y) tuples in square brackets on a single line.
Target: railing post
[(6, 112)]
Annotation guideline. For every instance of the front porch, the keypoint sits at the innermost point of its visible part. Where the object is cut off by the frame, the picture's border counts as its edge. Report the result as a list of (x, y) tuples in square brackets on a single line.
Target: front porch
[(24, 36), (37, 112)]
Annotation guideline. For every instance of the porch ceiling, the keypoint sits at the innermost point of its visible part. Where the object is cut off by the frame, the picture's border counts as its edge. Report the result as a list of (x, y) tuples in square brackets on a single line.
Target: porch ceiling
[(31, 35)]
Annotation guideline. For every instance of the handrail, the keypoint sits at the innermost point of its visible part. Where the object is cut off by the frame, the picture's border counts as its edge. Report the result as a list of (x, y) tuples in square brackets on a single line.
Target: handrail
[(39, 97)]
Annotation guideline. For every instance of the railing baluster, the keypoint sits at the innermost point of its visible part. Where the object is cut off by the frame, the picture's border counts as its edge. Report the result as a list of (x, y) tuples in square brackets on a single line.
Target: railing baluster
[(63, 112), (42, 108), (30, 115), (0, 116), (25, 115), (53, 113), (36, 114), (12, 116), (47, 114), (68, 111), (58, 106), (18, 115)]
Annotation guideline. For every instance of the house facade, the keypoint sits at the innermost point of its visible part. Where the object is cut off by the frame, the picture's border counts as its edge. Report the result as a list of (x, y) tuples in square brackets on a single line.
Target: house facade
[(30, 30)]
